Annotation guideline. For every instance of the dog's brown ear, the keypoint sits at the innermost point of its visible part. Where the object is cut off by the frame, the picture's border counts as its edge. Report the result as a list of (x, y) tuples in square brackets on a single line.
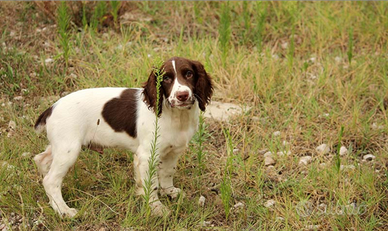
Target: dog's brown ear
[(150, 92), (204, 86)]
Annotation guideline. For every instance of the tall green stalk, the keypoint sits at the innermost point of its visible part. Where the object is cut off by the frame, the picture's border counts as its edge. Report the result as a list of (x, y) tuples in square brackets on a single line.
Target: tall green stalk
[(63, 26), (153, 160), (225, 31)]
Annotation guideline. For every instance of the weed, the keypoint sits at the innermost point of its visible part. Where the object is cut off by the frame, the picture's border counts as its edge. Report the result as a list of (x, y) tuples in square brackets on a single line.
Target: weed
[(149, 182), (63, 27), (225, 31), (115, 5), (350, 45)]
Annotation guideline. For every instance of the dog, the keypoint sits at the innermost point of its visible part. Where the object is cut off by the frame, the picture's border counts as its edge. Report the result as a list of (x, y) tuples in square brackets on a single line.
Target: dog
[(125, 117)]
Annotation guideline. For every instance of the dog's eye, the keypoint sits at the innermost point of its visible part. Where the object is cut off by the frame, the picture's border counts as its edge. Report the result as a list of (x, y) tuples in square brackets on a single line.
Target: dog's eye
[(167, 79), (189, 74)]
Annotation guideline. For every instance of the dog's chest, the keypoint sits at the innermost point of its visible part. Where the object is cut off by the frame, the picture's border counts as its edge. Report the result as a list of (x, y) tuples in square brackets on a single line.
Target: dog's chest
[(177, 132)]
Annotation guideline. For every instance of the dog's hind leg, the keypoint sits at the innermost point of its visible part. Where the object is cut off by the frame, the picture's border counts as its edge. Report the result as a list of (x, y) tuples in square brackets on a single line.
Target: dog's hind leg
[(64, 157), (43, 161)]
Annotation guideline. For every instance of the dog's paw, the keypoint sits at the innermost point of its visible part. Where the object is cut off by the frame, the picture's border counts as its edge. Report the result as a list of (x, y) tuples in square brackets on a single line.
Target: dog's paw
[(171, 192), (159, 210), (68, 213)]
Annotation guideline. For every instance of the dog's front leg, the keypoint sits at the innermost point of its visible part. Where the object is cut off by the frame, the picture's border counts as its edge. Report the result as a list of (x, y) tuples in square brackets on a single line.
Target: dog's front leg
[(166, 170), (142, 169)]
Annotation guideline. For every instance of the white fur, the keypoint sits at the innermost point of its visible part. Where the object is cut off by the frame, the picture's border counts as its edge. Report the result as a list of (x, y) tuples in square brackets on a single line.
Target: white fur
[(73, 123)]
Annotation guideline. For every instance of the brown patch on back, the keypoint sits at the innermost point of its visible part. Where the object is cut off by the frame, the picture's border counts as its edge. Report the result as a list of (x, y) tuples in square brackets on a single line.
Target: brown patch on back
[(43, 117), (120, 113)]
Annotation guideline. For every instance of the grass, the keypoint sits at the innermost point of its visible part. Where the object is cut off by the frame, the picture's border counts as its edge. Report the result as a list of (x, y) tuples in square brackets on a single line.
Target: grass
[(328, 85)]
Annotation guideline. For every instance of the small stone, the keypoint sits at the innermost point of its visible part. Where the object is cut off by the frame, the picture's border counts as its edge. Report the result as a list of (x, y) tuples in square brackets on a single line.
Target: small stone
[(236, 150), (269, 203), (285, 143), (279, 219), (284, 45), (338, 59), (277, 133), (201, 201), (269, 161), (239, 205), (347, 167), (343, 151), (368, 157), (205, 223), (305, 160), (377, 127), (268, 154), (12, 125), (26, 154), (323, 149), (10, 133), (65, 93), (73, 76), (313, 227), (18, 98), (48, 61), (282, 153)]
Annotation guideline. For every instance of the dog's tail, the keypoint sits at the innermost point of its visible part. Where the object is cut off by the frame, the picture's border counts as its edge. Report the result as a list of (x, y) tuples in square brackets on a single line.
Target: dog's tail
[(41, 121)]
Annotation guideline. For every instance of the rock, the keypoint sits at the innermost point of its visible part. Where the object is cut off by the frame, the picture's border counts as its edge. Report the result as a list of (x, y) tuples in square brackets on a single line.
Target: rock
[(322, 165), (343, 151), (268, 154), (10, 133), (269, 203), (73, 76), (26, 154), (347, 167), (239, 205), (286, 153), (201, 201), (65, 93), (313, 227), (18, 98), (368, 157), (377, 127), (48, 61), (205, 223), (338, 59), (12, 125), (223, 111), (277, 133), (305, 160), (323, 149), (284, 45), (269, 161), (236, 150)]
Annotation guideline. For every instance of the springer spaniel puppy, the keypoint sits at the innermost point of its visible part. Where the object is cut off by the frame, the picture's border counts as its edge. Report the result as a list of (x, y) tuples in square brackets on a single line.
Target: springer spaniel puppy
[(125, 117)]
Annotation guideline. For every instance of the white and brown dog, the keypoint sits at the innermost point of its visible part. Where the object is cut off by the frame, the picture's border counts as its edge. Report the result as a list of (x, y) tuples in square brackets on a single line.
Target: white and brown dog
[(125, 117)]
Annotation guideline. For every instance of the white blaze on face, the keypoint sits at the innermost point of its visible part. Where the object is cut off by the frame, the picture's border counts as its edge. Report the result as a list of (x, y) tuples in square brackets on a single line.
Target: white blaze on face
[(177, 87)]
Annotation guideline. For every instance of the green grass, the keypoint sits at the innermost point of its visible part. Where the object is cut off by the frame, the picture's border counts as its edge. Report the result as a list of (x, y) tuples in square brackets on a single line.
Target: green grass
[(329, 85)]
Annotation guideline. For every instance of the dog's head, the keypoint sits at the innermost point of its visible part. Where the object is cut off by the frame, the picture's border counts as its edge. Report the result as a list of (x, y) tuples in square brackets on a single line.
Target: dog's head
[(184, 82)]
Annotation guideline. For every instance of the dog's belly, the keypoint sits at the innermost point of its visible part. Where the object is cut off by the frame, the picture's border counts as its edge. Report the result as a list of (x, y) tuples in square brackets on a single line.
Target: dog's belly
[(104, 136)]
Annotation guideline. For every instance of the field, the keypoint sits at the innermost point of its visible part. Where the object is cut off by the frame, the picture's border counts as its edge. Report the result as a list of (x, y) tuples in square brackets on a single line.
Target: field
[(311, 73)]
